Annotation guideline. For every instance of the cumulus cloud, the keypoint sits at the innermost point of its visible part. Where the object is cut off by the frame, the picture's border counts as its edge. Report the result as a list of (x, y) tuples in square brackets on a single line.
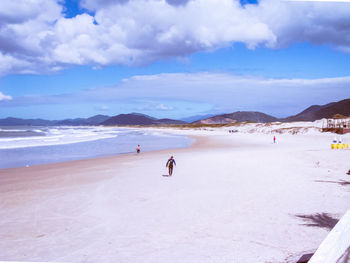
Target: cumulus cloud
[(4, 97), (26, 35), (121, 32), (315, 22), (134, 32), (94, 5), (21, 11)]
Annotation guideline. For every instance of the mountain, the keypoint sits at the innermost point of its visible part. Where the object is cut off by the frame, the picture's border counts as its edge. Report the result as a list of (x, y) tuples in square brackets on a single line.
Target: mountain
[(137, 119), (95, 120), (239, 116), (71, 122), (141, 114), (25, 122), (312, 113), (170, 121), (317, 112), (128, 119), (122, 119), (197, 117)]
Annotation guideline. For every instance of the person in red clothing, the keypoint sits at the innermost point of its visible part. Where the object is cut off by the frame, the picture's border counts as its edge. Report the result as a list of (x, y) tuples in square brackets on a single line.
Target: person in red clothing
[(274, 139), (138, 149), (170, 164)]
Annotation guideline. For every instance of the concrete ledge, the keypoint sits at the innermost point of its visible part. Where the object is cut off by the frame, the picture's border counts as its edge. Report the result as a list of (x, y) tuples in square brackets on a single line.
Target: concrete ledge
[(336, 247)]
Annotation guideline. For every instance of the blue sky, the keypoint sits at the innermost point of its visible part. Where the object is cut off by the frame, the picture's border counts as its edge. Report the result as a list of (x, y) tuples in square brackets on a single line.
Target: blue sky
[(171, 58)]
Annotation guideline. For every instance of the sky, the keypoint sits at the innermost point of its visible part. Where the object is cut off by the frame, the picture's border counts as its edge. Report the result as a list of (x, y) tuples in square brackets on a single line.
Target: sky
[(171, 58)]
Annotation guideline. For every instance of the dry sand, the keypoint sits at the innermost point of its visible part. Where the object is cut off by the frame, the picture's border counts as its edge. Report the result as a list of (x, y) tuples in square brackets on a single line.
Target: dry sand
[(232, 198)]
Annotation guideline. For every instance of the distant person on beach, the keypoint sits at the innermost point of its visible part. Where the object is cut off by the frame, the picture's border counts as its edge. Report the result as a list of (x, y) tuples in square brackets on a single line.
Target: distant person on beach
[(138, 148), (274, 139), (170, 164)]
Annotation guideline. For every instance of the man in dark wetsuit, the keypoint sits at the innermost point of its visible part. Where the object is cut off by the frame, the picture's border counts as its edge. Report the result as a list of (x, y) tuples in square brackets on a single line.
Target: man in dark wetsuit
[(170, 164)]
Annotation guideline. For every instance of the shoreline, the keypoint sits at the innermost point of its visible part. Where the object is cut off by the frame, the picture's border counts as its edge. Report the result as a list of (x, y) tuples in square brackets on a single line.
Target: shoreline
[(103, 157), (8, 175), (124, 143), (232, 198)]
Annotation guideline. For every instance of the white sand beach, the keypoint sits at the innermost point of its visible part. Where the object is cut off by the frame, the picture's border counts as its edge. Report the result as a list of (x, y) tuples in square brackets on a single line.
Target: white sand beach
[(233, 197)]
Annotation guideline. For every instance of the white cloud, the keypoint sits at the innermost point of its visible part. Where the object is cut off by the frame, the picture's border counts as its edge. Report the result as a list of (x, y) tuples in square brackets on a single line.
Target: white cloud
[(315, 22), (20, 11), (153, 106), (163, 107), (122, 32), (26, 39), (4, 97), (94, 5), (133, 32), (224, 92), (102, 108), (228, 92)]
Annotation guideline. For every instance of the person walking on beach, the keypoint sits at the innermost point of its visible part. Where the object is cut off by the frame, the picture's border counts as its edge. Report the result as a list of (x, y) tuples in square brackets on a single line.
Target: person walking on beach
[(138, 148), (274, 139), (170, 164)]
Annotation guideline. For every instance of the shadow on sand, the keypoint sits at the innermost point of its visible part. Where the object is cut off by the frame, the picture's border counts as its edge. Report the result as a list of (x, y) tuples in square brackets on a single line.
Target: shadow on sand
[(341, 182), (166, 175), (323, 220), (345, 258)]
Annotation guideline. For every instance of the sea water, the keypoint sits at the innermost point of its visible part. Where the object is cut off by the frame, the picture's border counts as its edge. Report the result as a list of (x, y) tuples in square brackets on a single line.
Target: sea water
[(28, 145)]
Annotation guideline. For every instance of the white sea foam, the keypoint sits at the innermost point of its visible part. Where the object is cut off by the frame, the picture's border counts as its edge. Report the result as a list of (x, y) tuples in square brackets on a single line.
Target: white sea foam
[(59, 135), (12, 130), (157, 133)]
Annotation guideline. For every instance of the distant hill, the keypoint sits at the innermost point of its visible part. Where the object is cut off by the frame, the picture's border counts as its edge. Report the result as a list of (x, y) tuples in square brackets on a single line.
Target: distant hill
[(71, 122), (197, 117), (138, 119), (128, 119), (169, 121), (317, 112), (239, 116), (25, 122), (95, 120), (122, 119), (312, 113)]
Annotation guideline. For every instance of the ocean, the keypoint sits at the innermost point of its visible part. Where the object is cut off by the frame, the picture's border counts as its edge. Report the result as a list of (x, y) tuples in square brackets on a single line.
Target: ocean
[(28, 145)]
